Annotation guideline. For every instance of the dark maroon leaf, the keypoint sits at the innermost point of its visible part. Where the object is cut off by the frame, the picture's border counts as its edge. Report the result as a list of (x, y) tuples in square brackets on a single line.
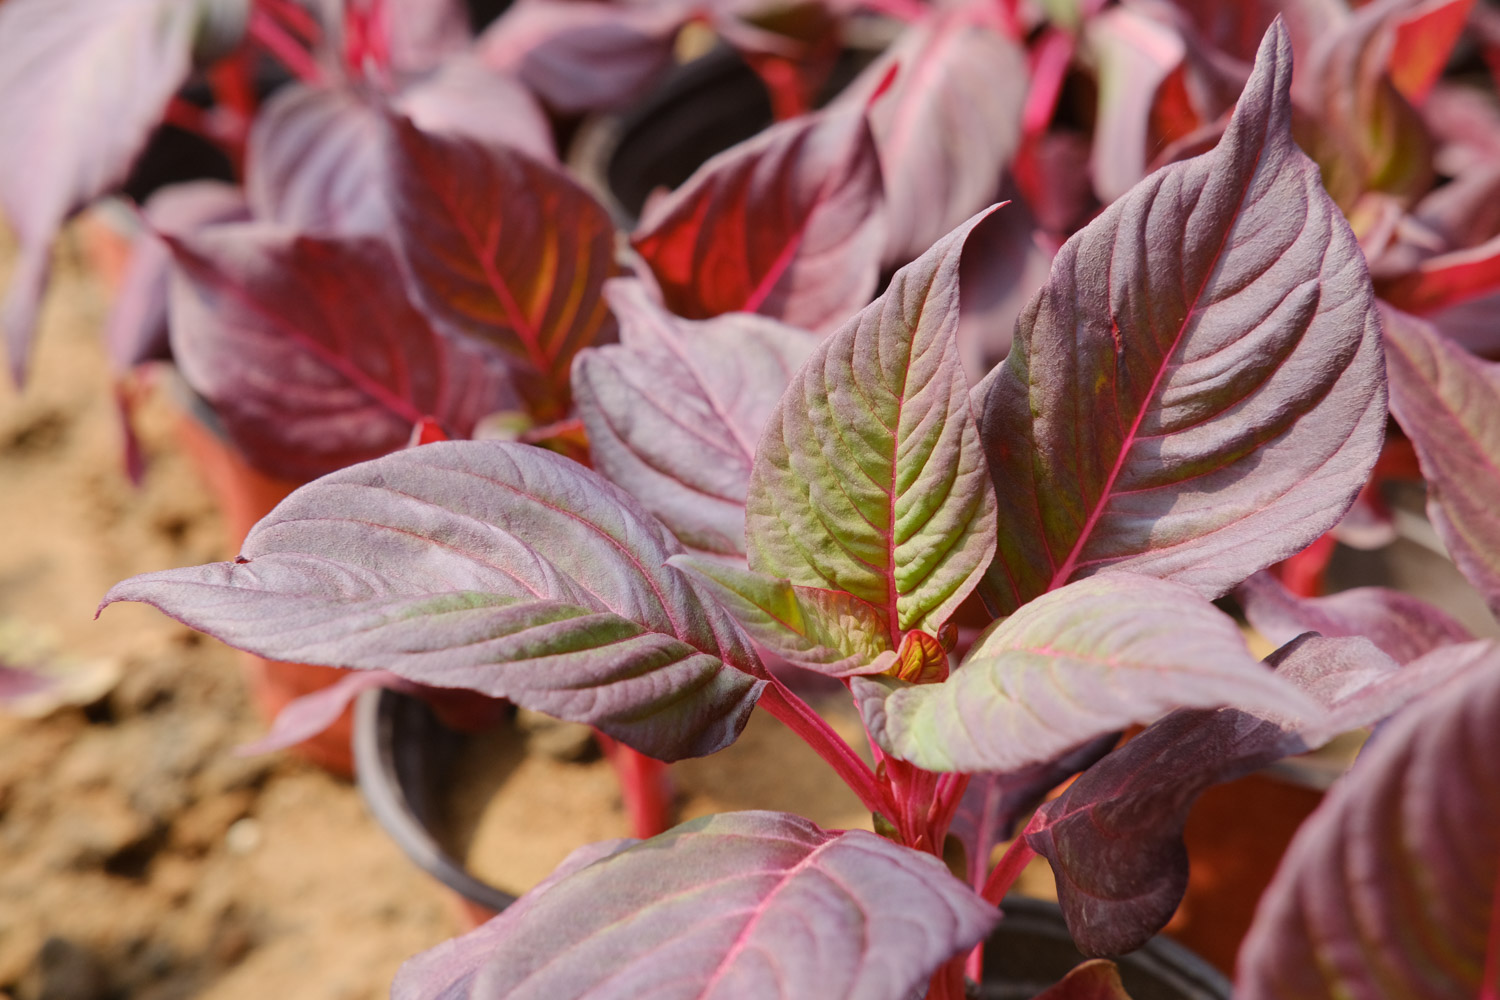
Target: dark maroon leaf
[(1392, 887), (82, 84), (1098, 979), (947, 126), (1114, 837), (1197, 391), (505, 248), (789, 223), (1400, 625), (674, 411), (750, 904), (1448, 402), (994, 803), (496, 567), (1008, 264), (136, 330), (578, 55), (311, 354)]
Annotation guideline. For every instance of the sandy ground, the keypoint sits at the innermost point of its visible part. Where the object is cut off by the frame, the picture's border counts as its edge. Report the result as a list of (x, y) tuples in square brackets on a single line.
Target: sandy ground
[(139, 858)]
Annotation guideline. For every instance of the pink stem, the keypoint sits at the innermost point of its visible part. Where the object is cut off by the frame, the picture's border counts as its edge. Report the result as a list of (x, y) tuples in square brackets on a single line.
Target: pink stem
[(275, 39), (799, 717), (1049, 66)]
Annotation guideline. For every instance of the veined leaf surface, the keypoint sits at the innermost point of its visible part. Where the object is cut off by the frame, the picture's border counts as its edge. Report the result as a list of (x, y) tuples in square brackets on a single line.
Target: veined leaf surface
[(674, 410), (733, 906), (1083, 661), (1197, 392), (496, 567), (505, 248), (311, 354), (870, 478), (1392, 888), (789, 224), (1448, 402)]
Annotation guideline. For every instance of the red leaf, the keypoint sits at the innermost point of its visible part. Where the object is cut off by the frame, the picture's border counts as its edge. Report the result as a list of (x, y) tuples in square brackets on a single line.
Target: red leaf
[(505, 248), (1424, 40), (312, 355), (789, 224)]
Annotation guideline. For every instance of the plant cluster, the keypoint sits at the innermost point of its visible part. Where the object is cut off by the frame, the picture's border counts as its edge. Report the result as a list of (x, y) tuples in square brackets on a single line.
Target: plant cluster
[(753, 465)]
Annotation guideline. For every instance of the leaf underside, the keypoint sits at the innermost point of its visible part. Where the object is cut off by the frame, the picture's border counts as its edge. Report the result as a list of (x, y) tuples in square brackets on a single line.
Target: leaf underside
[(500, 568)]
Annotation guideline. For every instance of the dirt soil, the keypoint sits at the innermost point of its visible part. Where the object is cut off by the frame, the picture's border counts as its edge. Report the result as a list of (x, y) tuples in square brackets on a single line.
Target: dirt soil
[(139, 857)]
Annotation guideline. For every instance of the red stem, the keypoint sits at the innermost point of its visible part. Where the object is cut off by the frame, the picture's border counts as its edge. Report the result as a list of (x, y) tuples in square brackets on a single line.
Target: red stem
[(947, 982), (275, 39), (294, 19), (799, 717), (645, 786), (1489, 987), (1009, 869)]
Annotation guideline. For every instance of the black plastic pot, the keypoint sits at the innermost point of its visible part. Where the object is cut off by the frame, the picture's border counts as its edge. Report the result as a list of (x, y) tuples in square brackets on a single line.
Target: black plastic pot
[(403, 755), (702, 107), (1031, 950)]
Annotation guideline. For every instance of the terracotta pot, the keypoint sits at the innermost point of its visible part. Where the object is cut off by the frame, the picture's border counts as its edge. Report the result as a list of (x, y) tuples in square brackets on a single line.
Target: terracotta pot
[(245, 495)]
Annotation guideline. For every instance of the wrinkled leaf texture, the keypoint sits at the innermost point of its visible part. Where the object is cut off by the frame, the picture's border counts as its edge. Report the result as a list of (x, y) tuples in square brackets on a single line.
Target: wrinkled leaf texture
[(1448, 402), (674, 410), (738, 905), (1392, 887), (789, 223), (496, 567), (870, 478), (310, 353), (1072, 666), (1197, 392), (82, 85), (1114, 837), (505, 248)]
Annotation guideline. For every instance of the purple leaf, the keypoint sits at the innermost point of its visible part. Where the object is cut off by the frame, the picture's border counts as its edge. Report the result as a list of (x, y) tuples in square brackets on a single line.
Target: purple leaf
[(523, 273), (870, 478), (1402, 626), (1391, 888), (305, 717), (1197, 391), (750, 904), (311, 354), (83, 82), (465, 98), (826, 631), (313, 162), (315, 157), (495, 567), (1114, 837), (447, 971), (136, 330), (1135, 53), (945, 129), (580, 56), (1448, 402), (1072, 666), (789, 224), (673, 412)]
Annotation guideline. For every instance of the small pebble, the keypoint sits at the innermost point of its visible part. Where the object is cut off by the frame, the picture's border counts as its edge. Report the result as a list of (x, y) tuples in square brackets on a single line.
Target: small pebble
[(243, 836)]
